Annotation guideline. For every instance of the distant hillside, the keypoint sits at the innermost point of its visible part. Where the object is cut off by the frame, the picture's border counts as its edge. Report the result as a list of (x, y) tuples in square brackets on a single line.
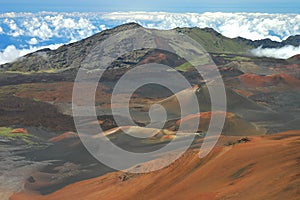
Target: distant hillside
[(71, 56), (214, 42)]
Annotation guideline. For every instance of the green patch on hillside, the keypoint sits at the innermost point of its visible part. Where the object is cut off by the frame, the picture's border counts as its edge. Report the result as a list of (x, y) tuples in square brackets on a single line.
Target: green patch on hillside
[(238, 58), (184, 67), (214, 42), (197, 62), (26, 138)]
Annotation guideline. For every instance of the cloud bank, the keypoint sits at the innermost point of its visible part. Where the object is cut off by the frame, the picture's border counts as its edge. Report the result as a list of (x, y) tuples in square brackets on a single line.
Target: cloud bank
[(11, 53), (283, 53), (254, 26), (27, 32)]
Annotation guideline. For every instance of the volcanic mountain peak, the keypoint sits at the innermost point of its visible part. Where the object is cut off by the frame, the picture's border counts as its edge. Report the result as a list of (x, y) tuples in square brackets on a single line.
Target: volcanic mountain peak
[(72, 55)]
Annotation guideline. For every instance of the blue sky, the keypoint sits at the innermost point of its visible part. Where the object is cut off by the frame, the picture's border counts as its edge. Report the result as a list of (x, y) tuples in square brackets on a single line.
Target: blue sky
[(198, 6)]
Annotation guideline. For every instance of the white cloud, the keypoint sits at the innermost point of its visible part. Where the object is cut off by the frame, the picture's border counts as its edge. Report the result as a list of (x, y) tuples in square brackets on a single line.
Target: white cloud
[(15, 31), (11, 53), (44, 32), (11, 23), (74, 29), (10, 14), (33, 41), (75, 26), (102, 27), (48, 25), (254, 26), (1, 30), (283, 53)]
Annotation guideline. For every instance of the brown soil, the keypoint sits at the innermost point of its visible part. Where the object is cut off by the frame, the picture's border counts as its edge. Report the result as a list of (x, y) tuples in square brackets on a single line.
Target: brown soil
[(27, 112)]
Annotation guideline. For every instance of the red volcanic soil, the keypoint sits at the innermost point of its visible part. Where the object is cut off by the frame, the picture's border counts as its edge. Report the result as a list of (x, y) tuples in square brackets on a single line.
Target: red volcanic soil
[(253, 80), (66, 135), (162, 57), (19, 130), (156, 57), (267, 167)]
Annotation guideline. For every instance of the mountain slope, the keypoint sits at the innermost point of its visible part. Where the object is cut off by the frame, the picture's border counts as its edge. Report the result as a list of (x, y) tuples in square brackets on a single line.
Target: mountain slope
[(244, 171)]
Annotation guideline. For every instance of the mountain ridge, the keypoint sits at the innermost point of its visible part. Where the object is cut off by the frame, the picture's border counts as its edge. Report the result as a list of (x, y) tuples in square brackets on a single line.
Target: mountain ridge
[(70, 56)]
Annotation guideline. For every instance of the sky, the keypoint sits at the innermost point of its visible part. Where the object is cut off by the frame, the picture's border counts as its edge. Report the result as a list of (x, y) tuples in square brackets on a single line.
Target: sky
[(198, 6)]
